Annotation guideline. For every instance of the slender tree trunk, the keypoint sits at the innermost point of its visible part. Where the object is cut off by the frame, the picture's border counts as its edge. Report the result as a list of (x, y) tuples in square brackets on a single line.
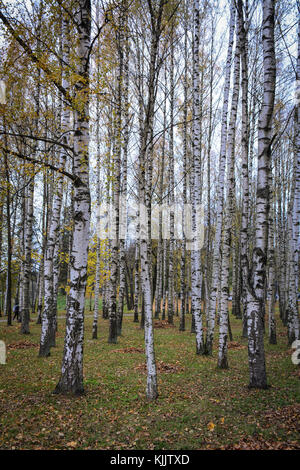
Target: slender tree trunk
[(184, 192), (244, 235), (51, 259), (272, 279), (171, 186), (97, 277), (71, 379), (98, 166), (8, 292), (25, 313), (256, 285), (196, 278), (44, 242), (293, 322), (160, 248), (229, 216), (123, 47), (220, 193), (151, 391), (136, 279)]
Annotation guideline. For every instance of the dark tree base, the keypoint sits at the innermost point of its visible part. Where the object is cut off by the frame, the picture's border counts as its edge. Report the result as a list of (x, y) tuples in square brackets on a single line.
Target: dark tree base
[(200, 351), (113, 331), (223, 364), (44, 353), (59, 390), (259, 386), (112, 340), (208, 348), (272, 339)]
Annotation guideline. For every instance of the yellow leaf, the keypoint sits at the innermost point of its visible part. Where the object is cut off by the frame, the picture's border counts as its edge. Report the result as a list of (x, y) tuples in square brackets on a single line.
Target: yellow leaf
[(211, 426), (72, 444)]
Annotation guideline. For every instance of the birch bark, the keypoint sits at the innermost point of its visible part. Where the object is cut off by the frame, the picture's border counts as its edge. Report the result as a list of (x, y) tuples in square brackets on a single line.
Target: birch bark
[(196, 278), (125, 108), (220, 193), (97, 276), (184, 191), (229, 215), (171, 186), (156, 19), (51, 261), (257, 282), (292, 315), (71, 379)]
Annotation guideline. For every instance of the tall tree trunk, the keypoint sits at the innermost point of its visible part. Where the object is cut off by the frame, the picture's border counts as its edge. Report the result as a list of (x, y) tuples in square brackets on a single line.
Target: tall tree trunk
[(97, 276), (136, 279), (257, 283), (51, 259), (220, 194), (184, 192), (41, 290), (8, 291), (25, 312), (156, 17), (293, 322), (171, 186), (196, 278), (229, 215), (272, 279), (123, 101), (98, 190), (160, 248), (71, 379)]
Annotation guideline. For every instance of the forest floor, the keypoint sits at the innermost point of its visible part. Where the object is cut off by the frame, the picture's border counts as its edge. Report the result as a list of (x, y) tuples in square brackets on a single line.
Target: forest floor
[(199, 406)]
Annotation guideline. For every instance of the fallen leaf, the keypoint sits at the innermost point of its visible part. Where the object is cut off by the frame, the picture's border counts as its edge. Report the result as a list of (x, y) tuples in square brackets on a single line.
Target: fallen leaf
[(211, 426), (72, 444)]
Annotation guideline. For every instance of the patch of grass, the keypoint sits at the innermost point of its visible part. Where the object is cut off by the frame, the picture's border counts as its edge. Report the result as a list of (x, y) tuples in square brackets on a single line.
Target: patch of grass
[(199, 406)]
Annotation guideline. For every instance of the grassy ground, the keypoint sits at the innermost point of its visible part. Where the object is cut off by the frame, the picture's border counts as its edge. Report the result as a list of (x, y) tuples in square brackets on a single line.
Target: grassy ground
[(199, 406)]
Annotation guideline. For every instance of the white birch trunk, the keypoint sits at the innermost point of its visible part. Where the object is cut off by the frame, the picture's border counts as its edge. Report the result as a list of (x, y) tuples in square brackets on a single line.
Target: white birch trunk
[(51, 261), (223, 308), (151, 390), (196, 278), (71, 379), (97, 276), (256, 285), (27, 261), (294, 222), (184, 191), (220, 194), (171, 189)]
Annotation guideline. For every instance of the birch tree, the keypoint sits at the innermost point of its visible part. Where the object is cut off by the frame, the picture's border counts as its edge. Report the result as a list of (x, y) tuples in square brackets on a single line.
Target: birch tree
[(71, 379), (257, 280), (51, 252), (156, 13), (229, 214), (292, 315), (220, 192), (196, 191)]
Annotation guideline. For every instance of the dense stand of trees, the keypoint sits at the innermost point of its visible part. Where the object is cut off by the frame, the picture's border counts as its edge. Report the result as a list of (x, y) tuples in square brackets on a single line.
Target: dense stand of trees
[(180, 119)]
